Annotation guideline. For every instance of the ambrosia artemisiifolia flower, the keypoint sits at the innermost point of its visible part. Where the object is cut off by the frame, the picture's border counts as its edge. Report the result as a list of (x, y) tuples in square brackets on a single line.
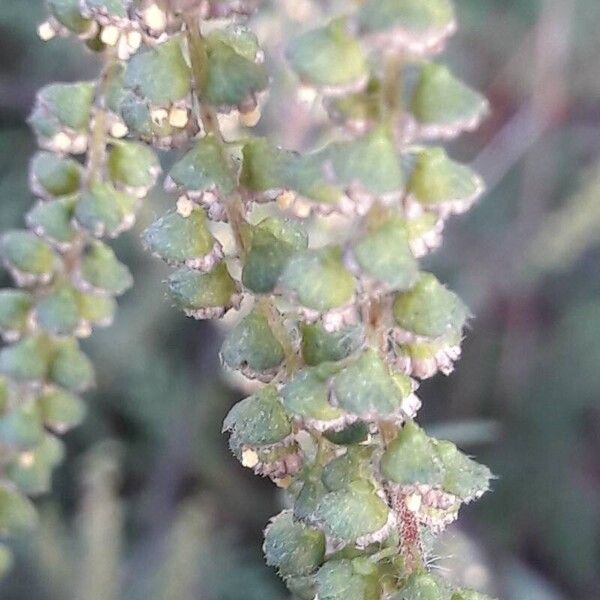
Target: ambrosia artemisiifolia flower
[(333, 335)]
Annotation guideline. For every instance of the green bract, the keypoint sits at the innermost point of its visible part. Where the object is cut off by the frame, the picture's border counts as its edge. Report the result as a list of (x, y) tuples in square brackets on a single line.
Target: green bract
[(14, 310), (27, 255), (53, 220), (337, 580), (319, 345), (329, 59), (133, 166), (16, 512), (292, 547), (53, 175), (101, 271)]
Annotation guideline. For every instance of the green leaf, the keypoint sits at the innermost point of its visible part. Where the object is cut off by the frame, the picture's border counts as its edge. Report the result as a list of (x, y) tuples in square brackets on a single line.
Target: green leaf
[(337, 580), (292, 547), (105, 211), (203, 295), (274, 242), (160, 74), (133, 165), (58, 311), (71, 368), (355, 465), (422, 586), (352, 513), (17, 513), (355, 433), (251, 345), (96, 309), (259, 420), (368, 389), (411, 459), (429, 309), (384, 253), (52, 220), (27, 360), (445, 104), (186, 240), (26, 253), (14, 310), (329, 58), (438, 182), (101, 270), (61, 410), (70, 104), (203, 168), (53, 175), (319, 279)]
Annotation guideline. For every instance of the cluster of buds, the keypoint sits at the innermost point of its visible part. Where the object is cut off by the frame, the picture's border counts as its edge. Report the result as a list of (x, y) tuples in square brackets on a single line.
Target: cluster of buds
[(333, 337), (89, 184)]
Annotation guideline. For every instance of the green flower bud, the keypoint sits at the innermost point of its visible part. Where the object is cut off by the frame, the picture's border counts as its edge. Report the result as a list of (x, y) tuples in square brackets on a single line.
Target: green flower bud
[(368, 389), (355, 433), (422, 586), (202, 171), (463, 477), (104, 211), (252, 348), (133, 166), (306, 397), (337, 580), (95, 309), (204, 295), (384, 254), (27, 360), (52, 220), (32, 470), (160, 74), (368, 168), (61, 410), (319, 346), (28, 258), (430, 310), (440, 184), (292, 547), (355, 465), (100, 271), (71, 368), (17, 513), (22, 426), (14, 312), (329, 59), (319, 279), (52, 175), (259, 420), (274, 241), (58, 311), (68, 13), (411, 459), (233, 76), (413, 26), (443, 105), (355, 514), (184, 240), (62, 114)]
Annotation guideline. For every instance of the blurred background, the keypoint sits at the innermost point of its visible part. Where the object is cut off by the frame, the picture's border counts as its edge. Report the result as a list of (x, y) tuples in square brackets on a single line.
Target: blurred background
[(151, 505)]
